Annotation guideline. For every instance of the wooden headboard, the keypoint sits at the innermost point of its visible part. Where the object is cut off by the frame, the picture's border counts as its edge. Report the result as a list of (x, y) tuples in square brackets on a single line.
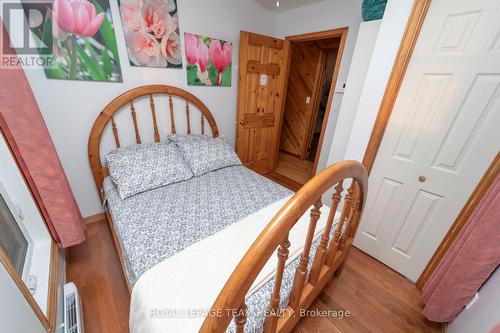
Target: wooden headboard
[(127, 99)]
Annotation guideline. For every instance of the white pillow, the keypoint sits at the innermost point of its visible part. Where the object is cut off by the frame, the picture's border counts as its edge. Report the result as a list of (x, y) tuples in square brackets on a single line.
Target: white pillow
[(138, 168), (204, 153)]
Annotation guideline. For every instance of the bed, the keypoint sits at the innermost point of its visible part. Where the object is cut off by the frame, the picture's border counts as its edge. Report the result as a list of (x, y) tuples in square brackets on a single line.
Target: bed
[(223, 245), (157, 224)]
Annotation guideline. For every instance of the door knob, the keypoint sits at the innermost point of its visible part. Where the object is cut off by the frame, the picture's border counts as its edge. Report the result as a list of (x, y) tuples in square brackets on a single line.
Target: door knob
[(422, 179), (242, 122)]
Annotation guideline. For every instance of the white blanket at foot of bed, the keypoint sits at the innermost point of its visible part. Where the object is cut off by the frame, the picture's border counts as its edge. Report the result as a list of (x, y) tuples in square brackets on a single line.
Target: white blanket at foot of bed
[(175, 295)]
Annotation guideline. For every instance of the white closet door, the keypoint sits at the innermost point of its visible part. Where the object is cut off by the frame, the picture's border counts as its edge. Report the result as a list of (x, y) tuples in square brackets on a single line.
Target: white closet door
[(443, 134)]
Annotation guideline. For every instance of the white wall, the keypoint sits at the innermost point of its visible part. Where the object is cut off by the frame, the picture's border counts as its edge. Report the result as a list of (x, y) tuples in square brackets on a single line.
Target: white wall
[(70, 107), (484, 314), (360, 63), (16, 315), (357, 122), (320, 16)]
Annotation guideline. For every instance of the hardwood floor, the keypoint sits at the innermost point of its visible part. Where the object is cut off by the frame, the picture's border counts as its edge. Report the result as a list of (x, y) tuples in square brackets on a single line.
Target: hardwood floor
[(378, 299), (284, 181), (95, 269), (294, 168)]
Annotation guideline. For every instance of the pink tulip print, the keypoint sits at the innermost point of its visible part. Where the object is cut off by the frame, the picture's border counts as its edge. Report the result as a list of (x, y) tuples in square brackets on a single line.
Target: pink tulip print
[(77, 16), (151, 30), (82, 38), (209, 61), (221, 56)]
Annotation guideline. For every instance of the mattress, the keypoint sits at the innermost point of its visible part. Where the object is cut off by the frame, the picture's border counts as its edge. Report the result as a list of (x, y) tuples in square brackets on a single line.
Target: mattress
[(154, 225), (176, 294)]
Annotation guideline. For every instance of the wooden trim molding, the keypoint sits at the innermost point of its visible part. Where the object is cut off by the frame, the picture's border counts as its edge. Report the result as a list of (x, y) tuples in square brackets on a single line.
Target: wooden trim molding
[(24, 290), (408, 42), (338, 61), (489, 177), (342, 33), (325, 34), (52, 294)]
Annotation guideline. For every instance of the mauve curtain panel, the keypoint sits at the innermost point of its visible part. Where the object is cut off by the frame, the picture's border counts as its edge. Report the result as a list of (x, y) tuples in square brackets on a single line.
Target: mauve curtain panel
[(27, 128), (471, 259)]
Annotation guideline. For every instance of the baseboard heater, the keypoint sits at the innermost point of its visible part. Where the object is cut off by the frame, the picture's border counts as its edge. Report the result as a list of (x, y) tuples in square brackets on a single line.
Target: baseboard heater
[(73, 315)]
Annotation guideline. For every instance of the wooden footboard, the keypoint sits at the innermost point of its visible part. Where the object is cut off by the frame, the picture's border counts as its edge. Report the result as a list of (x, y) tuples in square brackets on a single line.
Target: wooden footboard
[(328, 259)]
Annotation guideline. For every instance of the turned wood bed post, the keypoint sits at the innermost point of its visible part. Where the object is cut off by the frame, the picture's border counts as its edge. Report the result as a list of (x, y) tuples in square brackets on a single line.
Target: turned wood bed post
[(320, 257), (240, 318), (115, 132), (156, 133), (334, 243), (134, 120), (301, 271), (274, 304)]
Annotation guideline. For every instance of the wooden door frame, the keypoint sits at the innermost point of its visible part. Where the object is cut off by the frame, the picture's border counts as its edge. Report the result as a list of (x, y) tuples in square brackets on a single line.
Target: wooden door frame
[(408, 42), (406, 47), (325, 34)]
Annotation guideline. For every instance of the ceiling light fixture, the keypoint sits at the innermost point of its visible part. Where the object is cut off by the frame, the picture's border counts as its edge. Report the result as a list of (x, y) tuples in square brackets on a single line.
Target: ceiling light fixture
[(277, 3)]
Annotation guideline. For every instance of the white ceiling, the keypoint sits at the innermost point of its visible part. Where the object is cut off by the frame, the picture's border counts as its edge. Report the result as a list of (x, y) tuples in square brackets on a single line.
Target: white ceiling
[(285, 4)]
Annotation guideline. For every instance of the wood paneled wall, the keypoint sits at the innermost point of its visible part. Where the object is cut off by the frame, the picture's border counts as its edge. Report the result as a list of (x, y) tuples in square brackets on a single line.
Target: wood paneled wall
[(306, 80), (306, 66)]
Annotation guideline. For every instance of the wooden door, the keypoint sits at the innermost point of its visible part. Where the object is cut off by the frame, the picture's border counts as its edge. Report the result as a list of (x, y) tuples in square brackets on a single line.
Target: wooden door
[(441, 138), (261, 95), (301, 105)]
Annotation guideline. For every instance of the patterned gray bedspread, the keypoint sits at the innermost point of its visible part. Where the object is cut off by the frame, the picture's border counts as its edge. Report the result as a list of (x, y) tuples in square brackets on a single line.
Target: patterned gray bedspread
[(154, 225), (157, 224)]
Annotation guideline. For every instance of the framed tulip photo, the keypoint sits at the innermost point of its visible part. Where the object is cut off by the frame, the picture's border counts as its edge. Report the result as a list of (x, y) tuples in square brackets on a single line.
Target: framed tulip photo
[(151, 29), (209, 61), (83, 40)]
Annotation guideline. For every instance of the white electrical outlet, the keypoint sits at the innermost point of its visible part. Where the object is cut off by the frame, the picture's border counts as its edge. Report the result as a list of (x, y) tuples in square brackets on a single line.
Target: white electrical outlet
[(308, 99)]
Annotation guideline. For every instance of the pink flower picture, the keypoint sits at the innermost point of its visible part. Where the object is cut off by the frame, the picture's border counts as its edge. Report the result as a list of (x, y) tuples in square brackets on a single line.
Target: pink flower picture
[(209, 61), (81, 38), (151, 30)]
